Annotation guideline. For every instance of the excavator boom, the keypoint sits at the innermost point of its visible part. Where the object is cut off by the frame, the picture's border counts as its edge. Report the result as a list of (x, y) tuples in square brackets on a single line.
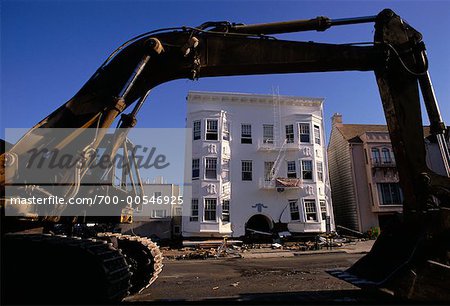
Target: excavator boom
[(398, 59)]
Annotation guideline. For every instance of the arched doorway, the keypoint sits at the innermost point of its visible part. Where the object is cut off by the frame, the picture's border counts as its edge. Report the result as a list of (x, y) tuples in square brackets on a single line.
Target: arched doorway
[(259, 227)]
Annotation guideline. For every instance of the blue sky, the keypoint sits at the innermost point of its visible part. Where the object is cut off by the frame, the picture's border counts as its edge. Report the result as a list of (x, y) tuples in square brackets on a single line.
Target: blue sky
[(50, 48)]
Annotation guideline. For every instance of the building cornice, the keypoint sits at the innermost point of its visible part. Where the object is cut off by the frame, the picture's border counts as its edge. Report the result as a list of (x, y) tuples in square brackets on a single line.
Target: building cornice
[(227, 97)]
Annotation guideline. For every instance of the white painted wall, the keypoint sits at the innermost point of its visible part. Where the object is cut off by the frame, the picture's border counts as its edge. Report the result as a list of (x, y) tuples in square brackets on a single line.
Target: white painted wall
[(257, 110)]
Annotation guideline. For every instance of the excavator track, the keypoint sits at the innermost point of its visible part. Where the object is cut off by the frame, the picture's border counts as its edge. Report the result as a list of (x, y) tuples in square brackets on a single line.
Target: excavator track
[(51, 269), (142, 254)]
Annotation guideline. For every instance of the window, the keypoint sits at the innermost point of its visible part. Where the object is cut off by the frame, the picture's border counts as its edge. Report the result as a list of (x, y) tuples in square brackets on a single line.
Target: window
[(226, 170), (211, 129), (293, 206), (376, 158), (157, 195), (304, 132), (390, 194), (195, 169), (178, 211), (386, 155), (310, 210), (268, 133), (226, 211), (268, 171), (194, 210), (226, 131), (246, 133), (291, 170), (247, 166), (158, 213), (211, 168), (307, 170), (176, 229), (197, 129), (319, 171), (210, 209), (323, 209), (290, 133), (317, 134)]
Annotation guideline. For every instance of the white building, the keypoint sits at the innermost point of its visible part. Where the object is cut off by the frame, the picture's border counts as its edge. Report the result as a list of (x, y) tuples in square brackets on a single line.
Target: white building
[(258, 163)]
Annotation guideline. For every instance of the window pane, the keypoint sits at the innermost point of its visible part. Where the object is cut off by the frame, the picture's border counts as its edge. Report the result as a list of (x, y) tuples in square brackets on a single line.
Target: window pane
[(310, 210), (376, 158), (291, 169), (268, 173), (290, 133), (386, 155), (246, 133), (194, 210), (226, 211), (197, 126), (211, 129), (304, 132), (295, 214), (317, 134), (195, 168), (210, 209), (320, 171), (268, 133), (247, 170), (323, 209), (211, 168), (307, 169)]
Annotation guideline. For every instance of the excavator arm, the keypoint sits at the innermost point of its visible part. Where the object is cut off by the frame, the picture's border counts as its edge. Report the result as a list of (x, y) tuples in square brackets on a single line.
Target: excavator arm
[(397, 56)]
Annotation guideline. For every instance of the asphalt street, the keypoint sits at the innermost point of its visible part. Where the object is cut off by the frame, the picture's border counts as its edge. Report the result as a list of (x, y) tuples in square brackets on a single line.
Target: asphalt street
[(293, 279)]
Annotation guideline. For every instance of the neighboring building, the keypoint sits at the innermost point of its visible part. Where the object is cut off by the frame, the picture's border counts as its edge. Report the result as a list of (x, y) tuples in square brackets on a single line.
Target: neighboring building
[(161, 217), (258, 164), (364, 178)]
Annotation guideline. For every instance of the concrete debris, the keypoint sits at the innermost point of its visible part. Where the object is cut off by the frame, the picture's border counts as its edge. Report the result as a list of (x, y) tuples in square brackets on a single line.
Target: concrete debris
[(205, 250), (215, 288), (234, 284)]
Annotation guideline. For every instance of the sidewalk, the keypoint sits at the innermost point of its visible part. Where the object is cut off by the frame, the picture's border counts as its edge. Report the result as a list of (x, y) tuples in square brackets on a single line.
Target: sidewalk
[(360, 247)]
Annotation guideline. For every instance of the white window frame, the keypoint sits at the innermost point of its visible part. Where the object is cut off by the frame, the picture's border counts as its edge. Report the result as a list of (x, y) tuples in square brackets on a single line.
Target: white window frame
[(226, 170), (268, 137), (310, 209), (208, 130), (290, 136), (208, 162), (302, 131), (194, 210), (226, 211), (293, 209), (210, 209), (291, 173), (196, 164), (323, 209), (317, 137), (226, 131), (156, 215), (197, 133), (247, 169), (303, 169), (246, 133), (268, 173), (319, 170)]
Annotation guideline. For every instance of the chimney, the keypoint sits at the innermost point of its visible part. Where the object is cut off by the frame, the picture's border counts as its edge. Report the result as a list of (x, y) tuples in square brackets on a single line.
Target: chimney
[(336, 119)]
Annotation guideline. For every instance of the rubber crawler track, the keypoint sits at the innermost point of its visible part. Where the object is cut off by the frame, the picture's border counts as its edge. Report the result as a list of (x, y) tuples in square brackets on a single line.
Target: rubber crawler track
[(144, 257)]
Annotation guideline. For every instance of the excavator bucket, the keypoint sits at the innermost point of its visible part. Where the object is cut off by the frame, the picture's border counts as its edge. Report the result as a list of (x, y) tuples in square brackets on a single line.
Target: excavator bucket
[(406, 263)]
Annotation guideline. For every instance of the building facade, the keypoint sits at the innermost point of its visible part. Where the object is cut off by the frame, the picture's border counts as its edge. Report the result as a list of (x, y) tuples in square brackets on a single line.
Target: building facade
[(364, 179), (259, 164), (161, 215)]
